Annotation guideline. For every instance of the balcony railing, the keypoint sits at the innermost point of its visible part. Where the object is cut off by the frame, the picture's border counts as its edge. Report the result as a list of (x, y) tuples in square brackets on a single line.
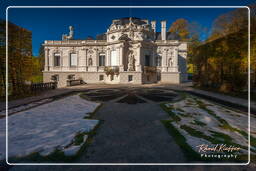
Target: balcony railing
[(149, 69), (73, 42), (111, 70)]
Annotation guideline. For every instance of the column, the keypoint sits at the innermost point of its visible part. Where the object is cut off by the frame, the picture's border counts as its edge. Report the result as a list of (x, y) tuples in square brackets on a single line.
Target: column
[(121, 58), (139, 58), (164, 59), (108, 57), (82, 59), (50, 60), (96, 58), (46, 53), (175, 60), (153, 57)]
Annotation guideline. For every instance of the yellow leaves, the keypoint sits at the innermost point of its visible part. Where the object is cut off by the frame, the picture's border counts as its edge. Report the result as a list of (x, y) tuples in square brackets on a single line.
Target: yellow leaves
[(190, 68), (180, 28), (228, 23)]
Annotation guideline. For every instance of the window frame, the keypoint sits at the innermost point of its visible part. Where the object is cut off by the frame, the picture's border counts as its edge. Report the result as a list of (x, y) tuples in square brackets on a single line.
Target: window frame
[(130, 78), (102, 63), (70, 60), (101, 77), (116, 57), (55, 61)]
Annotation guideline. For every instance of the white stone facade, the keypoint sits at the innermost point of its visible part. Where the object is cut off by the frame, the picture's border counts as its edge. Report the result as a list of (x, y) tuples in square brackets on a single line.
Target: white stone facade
[(130, 52)]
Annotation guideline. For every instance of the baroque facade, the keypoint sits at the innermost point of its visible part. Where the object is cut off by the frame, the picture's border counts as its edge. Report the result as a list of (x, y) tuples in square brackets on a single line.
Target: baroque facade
[(130, 52)]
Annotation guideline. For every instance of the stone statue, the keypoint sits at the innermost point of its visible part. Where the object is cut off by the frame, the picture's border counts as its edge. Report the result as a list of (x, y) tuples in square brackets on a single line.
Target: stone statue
[(131, 61), (131, 34), (170, 63), (90, 61), (71, 34)]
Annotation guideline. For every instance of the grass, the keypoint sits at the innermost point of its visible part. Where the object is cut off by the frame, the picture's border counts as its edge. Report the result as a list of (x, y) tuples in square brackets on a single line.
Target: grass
[(179, 109), (216, 138), (224, 124), (204, 107), (189, 153), (174, 116), (196, 122), (91, 114), (79, 138), (221, 136), (185, 114)]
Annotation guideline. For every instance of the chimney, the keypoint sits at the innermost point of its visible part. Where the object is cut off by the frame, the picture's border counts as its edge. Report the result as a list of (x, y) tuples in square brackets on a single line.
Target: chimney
[(163, 30), (153, 25)]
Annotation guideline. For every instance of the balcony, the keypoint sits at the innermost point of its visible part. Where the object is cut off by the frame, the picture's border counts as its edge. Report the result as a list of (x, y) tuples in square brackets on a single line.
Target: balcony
[(111, 70), (149, 69)]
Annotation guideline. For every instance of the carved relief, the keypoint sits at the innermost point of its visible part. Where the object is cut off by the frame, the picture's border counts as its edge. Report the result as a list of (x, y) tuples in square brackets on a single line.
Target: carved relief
[(90, 51)]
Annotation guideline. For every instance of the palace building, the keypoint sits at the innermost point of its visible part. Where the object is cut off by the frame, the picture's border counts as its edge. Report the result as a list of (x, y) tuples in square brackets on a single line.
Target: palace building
[(130, 52)]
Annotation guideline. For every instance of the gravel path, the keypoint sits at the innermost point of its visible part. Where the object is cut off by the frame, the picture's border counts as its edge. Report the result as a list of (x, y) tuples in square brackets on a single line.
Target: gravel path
[(132, 134)]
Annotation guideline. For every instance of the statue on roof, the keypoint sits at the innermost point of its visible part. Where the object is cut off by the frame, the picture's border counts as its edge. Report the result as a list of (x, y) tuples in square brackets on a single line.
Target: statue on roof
[(71, 34)]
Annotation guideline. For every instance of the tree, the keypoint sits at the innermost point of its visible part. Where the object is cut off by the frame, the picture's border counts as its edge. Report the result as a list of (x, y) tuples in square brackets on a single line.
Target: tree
[(230, 22), (2, 58), (180, 28), (19, 59), (41, 57), (190, 32)]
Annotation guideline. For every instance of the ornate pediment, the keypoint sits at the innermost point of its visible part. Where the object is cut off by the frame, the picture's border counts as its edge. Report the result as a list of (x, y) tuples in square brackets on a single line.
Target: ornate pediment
[(124, 37)]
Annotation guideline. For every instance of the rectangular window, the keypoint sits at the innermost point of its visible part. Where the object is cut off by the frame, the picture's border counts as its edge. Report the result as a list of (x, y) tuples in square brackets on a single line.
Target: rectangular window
[(73, 59), (130, 78), (56, 59), (101, 77), (55, 77), (147, 60), (113, 61), (102, 60), (71, 77)]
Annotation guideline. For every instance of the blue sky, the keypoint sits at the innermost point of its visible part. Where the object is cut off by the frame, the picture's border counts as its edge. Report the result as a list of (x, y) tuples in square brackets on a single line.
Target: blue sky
[(51, 23)]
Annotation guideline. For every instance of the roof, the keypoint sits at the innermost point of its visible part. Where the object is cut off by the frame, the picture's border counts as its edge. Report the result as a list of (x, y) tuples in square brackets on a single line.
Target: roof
[(126, 20), (169, 36), (102, 36)]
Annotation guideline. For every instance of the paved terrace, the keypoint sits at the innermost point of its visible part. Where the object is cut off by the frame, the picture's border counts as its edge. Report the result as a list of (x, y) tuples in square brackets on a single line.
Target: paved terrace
[(224, 99)]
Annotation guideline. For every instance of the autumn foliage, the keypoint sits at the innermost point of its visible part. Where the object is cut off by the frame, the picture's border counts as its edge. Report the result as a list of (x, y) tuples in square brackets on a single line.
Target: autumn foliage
[(220, 62)]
